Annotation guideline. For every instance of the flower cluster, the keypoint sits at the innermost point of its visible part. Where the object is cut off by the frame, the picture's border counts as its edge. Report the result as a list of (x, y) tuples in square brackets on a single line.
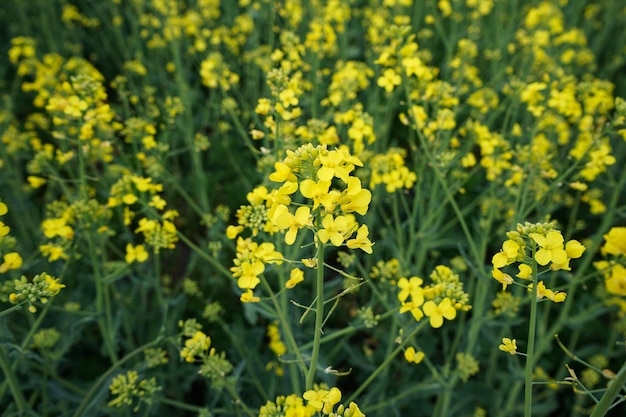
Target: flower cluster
[(128, 388), (316, 192), (197, 348), (42, 287), (250, 263), (389, 169), (319, 401), (439, 300), (531, 245), (331, 194), (132, 190)]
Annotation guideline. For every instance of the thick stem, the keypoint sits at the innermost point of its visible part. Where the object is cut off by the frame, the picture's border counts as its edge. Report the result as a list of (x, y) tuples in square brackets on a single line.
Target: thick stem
[(528, 373), (319, 317)]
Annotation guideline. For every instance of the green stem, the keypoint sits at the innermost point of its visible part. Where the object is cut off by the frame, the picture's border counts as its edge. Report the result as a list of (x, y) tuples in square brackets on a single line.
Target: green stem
[(319, 317), (11, 309), (103, 302), (214, 262), (611, 393), (18, 396), (528, 372)]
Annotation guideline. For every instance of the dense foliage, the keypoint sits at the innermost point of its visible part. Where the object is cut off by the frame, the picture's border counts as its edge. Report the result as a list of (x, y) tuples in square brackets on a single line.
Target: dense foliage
[(307, 208)]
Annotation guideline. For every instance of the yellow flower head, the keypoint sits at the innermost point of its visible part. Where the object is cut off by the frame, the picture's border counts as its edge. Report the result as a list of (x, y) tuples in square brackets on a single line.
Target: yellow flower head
[(615, 241), (412, 356), (296, 276), (437, 313), (361, 241), (508, 345), (550, 248), (11, 260), (135, 253), (411, 287), (502, 278)]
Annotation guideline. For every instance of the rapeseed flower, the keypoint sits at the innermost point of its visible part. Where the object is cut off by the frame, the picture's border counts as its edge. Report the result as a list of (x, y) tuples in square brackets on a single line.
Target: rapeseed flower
[(196, 346), (411, 287), (615, 242), (40, 289), (333, 229), (437, 312), (509, 346), (296, 276), (361, 241), (550, 248), (413, 356), (283, 219), (11, 260), (135, 253)]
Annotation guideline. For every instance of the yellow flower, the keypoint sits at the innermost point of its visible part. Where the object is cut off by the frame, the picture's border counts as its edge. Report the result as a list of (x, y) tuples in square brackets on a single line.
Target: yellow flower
[(250, 272), (309, 262), (195, 346), (502, 278), (283, 219), (411, 287), (4, 229), (524, 271), (414, 308), (129, 199), (57, 227), (52, 252), (615, 280), (157, 202), (389, 80), (412, 356), (508, 345), (550, 248), (316, 191), (574, 249), (283, 173), (438, 312), (12, 260), (53, 286), (233, 231), (315, 398), (3, 209), (35, 182), (615, 241), (507, 255), (135, 253), (296, 276), (323, 400), (353, 410), (355, 198), (333, 229), (361, 241), (249, 297)]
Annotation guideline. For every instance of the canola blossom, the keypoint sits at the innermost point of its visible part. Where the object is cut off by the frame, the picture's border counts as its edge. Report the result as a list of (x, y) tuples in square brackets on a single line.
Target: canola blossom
[(312, 208)]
